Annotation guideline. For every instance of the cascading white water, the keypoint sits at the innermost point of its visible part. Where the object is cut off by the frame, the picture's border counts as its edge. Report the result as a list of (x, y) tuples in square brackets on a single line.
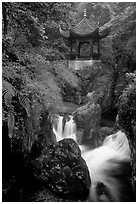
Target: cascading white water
[(59, 128), (68, 131), (104, 163)]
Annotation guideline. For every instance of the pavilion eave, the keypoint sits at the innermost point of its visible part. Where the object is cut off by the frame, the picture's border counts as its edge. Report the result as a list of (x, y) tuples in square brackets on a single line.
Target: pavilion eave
[(95, 33)]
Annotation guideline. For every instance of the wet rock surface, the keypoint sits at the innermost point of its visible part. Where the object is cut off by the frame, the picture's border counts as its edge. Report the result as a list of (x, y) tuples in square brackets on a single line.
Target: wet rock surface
[(88, 118), (62, 168)]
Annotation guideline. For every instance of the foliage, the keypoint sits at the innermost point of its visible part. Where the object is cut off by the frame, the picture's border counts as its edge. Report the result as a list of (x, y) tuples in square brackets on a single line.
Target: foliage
[(127, 119), (127, 105), (106, 49), (9, 92), (32, 83), (123, 28)]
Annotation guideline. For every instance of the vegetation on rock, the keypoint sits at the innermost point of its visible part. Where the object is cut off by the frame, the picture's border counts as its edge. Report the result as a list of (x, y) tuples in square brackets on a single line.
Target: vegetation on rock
[(127, 118)]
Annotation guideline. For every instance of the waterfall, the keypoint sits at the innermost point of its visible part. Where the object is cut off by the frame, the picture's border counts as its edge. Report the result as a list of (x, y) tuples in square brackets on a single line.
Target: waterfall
[(68, 131), (106, 164), (59, 128)]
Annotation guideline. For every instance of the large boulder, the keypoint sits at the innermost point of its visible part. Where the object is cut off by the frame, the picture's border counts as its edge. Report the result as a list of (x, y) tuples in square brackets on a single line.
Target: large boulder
[(62, 168)]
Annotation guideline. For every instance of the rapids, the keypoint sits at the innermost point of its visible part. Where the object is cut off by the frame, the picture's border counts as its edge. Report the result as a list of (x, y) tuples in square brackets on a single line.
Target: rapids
[(106, 164)]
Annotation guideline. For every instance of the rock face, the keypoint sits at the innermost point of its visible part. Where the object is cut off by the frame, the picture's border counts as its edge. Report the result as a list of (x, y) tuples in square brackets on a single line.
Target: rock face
[(62, 168), (98, 78), (119, 85), (88, 118), (46, 136), (127, 120)]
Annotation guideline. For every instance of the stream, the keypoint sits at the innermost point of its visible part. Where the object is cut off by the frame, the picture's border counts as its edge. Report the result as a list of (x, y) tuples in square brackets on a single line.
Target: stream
[(20, 186)]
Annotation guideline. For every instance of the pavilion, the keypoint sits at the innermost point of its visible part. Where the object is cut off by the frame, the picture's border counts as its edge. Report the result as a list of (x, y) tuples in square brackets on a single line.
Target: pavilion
[(84, 40)]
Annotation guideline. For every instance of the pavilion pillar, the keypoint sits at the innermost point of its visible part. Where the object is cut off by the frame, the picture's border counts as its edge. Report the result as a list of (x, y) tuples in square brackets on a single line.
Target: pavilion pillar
[(79, 46), (71, 49), (91, 48), (77, 49), (98, 47)]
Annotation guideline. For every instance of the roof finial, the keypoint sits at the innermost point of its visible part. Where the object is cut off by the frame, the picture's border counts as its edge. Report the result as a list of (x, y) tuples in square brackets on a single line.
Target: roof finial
[(84, 12)]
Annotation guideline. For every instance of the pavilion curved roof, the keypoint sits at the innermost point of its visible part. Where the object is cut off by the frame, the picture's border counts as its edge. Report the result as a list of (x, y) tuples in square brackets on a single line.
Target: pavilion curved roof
[(84, 29)]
